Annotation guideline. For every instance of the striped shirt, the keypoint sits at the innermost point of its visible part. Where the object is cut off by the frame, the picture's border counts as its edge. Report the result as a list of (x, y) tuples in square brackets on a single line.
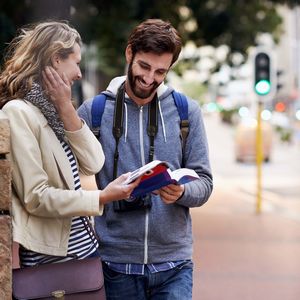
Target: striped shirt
[(82, 241)]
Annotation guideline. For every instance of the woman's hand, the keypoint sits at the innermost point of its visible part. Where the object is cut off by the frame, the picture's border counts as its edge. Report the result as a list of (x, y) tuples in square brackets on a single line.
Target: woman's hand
[(59, 90), (117, 190)]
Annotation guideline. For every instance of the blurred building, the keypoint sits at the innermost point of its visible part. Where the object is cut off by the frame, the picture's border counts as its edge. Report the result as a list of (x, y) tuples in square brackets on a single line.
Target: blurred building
[(288, 57)]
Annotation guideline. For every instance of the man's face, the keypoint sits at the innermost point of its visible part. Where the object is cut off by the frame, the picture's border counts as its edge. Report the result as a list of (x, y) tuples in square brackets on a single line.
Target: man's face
[(146, 71)]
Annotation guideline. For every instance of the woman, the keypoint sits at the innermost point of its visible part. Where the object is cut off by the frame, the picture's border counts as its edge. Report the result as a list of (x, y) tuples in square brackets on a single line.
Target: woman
[(50, 145)]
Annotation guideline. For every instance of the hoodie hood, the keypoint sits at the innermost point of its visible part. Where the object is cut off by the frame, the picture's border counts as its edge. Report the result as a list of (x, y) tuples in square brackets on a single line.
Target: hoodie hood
[(162, 91)]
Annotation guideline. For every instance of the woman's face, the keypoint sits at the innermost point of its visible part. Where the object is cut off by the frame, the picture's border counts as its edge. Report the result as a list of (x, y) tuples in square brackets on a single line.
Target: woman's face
[(70, 65)]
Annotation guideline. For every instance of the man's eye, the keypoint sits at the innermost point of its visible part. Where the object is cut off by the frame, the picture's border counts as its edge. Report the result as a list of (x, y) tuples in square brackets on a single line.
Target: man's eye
[(145, 67), (161, 72)]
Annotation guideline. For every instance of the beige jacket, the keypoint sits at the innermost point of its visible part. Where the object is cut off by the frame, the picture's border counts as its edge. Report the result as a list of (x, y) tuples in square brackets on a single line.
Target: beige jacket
[(44, 199)]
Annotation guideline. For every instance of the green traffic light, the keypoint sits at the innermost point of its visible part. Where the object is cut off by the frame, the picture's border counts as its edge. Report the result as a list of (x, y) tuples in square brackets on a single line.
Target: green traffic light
[(263, 87)]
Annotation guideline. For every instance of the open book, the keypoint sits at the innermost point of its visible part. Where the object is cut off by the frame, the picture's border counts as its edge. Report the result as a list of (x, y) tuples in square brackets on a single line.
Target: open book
[(157, 174)]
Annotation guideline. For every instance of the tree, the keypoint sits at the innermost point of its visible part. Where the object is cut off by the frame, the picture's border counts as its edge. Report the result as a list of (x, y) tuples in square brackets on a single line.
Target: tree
[(16, 13), (11, 18), (234, 23), (107, 23)]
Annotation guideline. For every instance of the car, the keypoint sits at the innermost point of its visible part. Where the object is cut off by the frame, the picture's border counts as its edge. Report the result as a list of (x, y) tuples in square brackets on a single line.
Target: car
[(246, 140)]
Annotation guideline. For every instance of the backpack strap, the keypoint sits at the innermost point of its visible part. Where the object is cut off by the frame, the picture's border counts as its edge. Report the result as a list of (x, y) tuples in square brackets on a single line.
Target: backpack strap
[(182, 107), (181, 103), (152, 127), (98, 106), (118, 125)]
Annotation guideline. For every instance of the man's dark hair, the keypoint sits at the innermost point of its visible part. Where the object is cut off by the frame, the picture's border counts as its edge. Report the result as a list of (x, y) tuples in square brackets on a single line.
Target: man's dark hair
[(156, 36)]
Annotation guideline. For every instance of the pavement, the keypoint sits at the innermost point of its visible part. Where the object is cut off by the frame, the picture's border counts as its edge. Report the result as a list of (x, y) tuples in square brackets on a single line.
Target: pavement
[(240, 254)]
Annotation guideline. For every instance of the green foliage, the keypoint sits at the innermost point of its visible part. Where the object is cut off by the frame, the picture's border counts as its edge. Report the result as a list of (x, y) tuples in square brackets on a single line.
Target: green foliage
[(233, 23), (183, 65), (285, 134), (195, 90), (227, 115), (11, 17), (108, 23)]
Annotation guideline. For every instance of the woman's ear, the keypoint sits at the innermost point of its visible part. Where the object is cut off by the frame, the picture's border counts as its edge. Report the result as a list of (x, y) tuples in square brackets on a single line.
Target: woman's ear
[(55, 60)]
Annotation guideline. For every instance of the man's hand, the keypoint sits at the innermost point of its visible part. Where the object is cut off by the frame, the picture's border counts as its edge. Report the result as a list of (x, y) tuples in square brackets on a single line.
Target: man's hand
[(170, 193)]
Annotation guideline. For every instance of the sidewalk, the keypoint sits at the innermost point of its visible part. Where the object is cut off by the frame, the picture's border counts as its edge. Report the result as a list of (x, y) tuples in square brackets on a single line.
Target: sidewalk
[(241, 255)]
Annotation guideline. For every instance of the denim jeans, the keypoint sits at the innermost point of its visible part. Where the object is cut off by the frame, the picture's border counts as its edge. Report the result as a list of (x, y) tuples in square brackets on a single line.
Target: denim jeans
[(174, 284)]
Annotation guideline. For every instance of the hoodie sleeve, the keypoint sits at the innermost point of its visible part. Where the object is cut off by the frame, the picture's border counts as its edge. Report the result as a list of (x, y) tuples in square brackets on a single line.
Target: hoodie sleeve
[(196, 157), (84, 112)]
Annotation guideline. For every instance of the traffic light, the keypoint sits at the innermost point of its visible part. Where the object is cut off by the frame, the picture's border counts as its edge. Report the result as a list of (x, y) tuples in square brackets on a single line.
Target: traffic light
[(279, 84), (280, 106), (262, 73)]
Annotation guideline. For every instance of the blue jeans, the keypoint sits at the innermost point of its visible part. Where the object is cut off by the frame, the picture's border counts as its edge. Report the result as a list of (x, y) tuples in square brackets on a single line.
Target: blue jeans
[(174, 284)]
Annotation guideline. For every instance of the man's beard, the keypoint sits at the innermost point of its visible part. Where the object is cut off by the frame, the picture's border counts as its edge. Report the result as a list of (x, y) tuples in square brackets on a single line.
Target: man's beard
[(139, 92)]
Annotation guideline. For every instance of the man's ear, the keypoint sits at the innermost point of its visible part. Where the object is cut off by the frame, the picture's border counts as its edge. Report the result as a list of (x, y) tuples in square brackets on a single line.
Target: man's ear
[(128, 54)]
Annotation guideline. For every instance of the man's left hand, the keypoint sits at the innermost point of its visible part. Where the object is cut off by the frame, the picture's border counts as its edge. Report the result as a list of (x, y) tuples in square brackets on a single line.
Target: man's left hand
[(171, 193)]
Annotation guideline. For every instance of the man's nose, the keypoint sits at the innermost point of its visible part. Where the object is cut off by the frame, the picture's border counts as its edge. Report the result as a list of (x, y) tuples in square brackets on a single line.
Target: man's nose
[(149, 77)]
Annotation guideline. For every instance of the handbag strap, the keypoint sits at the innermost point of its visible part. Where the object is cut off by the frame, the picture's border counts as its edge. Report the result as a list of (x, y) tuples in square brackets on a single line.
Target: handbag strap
[(89, 228)]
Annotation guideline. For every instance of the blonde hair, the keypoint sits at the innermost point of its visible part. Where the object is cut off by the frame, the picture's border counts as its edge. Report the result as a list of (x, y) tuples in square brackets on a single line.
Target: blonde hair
[(30, 52)]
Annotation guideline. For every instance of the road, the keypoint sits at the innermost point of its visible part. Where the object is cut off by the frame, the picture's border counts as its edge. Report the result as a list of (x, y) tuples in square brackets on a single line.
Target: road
[(239, 254)]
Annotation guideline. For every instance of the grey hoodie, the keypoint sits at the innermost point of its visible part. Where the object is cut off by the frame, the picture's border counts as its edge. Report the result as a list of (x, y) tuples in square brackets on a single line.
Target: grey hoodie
[(163, 232)]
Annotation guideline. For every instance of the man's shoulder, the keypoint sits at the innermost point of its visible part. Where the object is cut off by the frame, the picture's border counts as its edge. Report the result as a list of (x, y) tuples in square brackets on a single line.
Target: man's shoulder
[(192, 103)]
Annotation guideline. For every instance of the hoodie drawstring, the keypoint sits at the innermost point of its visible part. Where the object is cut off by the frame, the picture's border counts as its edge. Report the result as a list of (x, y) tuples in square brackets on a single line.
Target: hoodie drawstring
[(161, 117), (126, 121), (162, 122)]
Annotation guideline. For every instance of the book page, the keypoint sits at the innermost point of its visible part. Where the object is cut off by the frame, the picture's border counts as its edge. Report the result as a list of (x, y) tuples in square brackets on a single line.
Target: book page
[(184, 175)]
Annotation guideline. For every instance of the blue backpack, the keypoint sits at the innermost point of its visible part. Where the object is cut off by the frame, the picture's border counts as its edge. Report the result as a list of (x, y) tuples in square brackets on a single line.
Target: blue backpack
[(180, 100)]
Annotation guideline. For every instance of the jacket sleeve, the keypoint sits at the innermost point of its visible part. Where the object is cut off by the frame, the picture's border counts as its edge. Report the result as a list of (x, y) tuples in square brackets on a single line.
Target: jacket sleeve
[(37, 179), (196, 157), (87, 149)]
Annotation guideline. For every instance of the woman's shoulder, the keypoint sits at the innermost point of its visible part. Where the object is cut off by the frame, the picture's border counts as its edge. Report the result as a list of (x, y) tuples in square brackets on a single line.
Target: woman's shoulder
[(21, 109), (20, 105), (16, 103)]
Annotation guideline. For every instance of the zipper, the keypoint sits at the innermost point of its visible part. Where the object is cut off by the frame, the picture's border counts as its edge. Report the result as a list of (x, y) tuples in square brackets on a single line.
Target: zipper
[(143, 162)]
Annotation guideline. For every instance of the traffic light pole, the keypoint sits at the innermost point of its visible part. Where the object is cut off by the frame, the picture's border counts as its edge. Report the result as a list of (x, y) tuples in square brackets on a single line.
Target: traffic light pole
[(259, 156), (263, 64)]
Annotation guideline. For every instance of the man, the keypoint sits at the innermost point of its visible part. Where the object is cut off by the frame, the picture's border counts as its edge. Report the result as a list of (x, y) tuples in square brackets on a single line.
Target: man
[(147, 244)]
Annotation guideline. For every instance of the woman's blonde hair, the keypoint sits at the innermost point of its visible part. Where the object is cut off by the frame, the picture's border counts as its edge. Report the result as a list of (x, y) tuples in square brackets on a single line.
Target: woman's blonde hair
[(30, 52)]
